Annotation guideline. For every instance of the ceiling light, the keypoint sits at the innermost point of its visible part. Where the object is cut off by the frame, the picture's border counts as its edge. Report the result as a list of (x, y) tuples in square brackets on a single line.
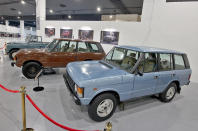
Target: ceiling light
[(19, 12), (110, 16), (18, 17), (69, 16), (23, 2), (98, 9), (51, 11)]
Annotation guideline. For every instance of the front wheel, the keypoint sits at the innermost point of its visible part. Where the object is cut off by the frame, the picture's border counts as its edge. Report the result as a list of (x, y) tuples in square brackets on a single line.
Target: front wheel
[(31, 69), (169, 93), (102, 107)]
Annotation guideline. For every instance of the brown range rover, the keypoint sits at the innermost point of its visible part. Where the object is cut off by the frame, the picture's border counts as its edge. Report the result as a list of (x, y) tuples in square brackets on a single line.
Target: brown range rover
[(57, 54)]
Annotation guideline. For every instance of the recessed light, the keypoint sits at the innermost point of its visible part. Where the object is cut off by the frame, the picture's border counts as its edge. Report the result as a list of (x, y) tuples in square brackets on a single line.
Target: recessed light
[(98, 9), (23, 2), (19, 12), (51, 11), (69, 16), (110, 16)]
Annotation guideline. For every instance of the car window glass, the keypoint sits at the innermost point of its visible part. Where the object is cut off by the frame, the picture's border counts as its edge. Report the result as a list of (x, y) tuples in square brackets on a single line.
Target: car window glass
[(179, 62), (72, 46), (150, 63), (62, 46), (82, 47), (94, 48), (118, 54), (165, 62), (129, 60)]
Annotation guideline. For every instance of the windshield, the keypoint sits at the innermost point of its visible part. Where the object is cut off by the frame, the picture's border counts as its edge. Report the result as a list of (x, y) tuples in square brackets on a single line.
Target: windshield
[(51, 45), (122, 58)]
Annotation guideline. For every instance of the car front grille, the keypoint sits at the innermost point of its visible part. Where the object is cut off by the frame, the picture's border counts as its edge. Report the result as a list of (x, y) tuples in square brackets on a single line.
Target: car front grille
[(70, 81)]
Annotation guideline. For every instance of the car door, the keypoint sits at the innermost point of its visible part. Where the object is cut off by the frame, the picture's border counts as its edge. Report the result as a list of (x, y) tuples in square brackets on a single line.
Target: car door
[(145, 83), (83, 52), (166, 72), (63, 53)]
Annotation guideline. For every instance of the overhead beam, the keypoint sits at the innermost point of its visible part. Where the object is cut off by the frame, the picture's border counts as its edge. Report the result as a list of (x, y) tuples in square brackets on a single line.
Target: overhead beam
[(15, 2), (120, 5)]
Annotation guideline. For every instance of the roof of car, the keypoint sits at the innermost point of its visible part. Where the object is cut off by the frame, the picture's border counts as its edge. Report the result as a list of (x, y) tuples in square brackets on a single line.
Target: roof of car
[(78, 40), (150, 49)]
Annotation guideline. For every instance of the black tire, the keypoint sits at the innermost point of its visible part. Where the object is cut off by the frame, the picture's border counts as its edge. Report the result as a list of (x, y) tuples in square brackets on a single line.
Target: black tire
[(163, 96), (92, 108), (11, 53), (31, 69)]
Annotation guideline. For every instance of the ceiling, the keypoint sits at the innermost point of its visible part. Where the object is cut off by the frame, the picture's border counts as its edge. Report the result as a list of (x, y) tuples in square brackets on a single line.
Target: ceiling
[(69, 7)]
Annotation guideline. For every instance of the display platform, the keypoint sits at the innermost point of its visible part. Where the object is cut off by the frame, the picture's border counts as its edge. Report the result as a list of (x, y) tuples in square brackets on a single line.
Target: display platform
[(147, 114)]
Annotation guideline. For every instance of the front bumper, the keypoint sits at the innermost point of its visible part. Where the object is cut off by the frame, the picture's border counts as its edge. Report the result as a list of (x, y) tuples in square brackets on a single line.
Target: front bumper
[(75, 97)]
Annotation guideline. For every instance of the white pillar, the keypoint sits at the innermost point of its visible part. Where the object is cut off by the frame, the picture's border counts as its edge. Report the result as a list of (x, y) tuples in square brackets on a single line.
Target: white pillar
[(22, 30), (40, 15)]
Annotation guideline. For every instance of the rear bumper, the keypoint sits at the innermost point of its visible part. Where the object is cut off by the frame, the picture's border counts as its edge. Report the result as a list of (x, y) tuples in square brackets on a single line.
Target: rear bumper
[(76, 99)]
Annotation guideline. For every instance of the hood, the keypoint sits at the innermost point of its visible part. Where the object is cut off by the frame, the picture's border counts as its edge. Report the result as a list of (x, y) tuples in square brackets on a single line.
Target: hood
[(13, 43), (93, 71)]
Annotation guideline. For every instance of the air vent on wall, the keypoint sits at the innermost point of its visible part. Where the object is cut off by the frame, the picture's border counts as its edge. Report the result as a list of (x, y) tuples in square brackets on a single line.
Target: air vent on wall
[(13, 9), (63, 5)]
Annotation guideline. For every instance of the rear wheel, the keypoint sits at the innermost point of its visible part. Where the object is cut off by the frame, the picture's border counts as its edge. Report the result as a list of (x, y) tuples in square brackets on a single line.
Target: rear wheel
[(102, 107), (11, 53), (31, 69), (169, 93)]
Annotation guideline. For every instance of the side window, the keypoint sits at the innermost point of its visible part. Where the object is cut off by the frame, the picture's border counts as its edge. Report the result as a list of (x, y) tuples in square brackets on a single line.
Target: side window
[(93, 48), (118, 54), (165, 62), (82, 47), (150, 62), (61, 46), (179, 62), (72, 46)]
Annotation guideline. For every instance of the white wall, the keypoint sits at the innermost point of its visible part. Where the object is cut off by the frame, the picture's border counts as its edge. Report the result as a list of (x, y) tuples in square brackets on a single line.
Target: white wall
[(171, 25), (11, 29)]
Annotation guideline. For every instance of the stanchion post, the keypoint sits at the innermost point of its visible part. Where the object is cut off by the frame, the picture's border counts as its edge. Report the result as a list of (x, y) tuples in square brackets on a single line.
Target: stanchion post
[(23, 107), (108, 126), (23, 93)]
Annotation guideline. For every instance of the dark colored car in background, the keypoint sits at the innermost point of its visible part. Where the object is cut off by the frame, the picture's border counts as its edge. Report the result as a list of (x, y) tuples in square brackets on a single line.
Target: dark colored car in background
[(30, 43)]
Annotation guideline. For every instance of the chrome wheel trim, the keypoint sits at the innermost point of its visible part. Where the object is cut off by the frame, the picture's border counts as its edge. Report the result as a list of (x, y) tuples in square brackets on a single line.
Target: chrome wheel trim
[(170, 93), (105, 108)]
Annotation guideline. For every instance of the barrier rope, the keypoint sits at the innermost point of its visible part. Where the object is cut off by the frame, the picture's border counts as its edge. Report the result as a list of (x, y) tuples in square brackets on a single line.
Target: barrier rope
[(42, 113), (50, 119), (8, 90)]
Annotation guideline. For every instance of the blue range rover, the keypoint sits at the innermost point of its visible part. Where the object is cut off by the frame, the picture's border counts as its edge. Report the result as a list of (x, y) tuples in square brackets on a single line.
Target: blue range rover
[(126, 72)]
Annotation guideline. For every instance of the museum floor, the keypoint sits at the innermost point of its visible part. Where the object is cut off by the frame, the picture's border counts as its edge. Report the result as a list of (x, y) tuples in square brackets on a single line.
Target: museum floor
[(147, 114)]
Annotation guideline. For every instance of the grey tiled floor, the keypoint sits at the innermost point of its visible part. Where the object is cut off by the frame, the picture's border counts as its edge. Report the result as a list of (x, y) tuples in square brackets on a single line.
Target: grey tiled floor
[(146, 114)]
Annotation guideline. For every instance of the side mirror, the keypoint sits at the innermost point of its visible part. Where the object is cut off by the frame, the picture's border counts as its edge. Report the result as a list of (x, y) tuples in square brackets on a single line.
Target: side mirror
[(138, 72)]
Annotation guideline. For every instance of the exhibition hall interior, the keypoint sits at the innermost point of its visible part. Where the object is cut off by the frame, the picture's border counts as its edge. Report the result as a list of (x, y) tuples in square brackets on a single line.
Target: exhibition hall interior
[(101, 65)]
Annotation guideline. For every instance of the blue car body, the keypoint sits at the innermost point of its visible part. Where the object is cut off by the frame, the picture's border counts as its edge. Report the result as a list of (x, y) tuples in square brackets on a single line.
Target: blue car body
[(97, 77)]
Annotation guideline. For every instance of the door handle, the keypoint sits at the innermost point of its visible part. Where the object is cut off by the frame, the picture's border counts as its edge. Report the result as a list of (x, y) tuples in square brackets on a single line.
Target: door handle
[(155, 77), (173, 75)]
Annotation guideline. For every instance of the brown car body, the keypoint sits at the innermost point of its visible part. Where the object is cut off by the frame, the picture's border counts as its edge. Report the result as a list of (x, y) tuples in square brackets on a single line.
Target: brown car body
[(52, 59)]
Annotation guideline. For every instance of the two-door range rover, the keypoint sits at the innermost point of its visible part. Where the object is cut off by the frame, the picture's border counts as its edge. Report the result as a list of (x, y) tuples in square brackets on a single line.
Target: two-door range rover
[(126, 72), (57, 54)]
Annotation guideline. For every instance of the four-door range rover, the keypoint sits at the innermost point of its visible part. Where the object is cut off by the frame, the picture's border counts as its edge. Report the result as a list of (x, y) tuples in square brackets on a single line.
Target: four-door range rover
[(126, 72), (57, 54)]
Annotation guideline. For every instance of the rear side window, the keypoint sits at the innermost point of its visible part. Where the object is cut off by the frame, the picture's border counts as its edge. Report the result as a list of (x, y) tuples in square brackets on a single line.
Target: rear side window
[(165, 62), (82, 47), (94, 48), (186, 61), (179, 62)]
